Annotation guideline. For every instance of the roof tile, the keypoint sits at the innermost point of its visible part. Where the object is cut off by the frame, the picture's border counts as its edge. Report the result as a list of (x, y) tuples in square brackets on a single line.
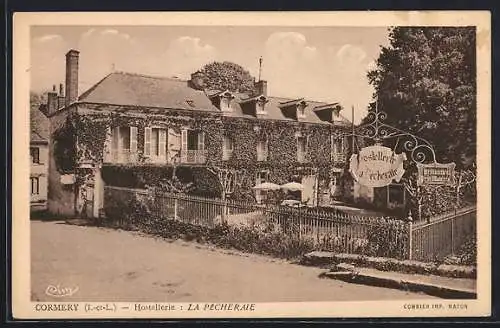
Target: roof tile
[(147, 91)]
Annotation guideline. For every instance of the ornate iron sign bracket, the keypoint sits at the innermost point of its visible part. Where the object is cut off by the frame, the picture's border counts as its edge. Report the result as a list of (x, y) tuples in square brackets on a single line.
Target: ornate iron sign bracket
[(418, 149)]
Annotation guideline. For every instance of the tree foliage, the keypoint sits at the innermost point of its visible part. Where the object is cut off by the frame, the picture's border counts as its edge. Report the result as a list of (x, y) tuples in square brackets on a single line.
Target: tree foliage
[(227, 76), (37, 99), (425, 80)]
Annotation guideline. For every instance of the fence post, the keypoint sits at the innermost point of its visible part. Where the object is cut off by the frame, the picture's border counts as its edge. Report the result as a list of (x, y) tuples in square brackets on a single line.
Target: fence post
[(452, 236), (175, 208), (300, 222), (410, 236)]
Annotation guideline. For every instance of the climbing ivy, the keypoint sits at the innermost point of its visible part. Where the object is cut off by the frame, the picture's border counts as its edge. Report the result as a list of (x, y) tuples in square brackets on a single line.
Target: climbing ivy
[(91, 127), (64, 143)]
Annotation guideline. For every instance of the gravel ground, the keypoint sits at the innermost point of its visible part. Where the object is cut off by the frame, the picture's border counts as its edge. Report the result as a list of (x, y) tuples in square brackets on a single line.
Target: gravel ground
[(113, 265)]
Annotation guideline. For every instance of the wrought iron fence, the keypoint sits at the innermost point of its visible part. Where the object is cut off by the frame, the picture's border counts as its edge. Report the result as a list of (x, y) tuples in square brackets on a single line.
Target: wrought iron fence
[(327, 229), (443, 235), (193, 156)]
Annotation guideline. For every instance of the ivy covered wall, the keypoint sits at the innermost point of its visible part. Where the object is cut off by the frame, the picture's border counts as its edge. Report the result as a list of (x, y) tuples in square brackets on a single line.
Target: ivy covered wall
[(62, 158), (92, 123)]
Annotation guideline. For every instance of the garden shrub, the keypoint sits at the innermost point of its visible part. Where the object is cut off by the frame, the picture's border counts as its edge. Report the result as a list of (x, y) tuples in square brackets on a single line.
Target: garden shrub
[(388, 239)]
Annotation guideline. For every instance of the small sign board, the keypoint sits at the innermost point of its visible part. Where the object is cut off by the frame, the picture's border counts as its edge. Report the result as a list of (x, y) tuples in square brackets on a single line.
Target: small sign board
[(436, 174)]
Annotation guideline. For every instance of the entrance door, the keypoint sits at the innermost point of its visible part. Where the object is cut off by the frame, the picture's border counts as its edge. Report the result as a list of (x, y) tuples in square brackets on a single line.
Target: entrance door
[(86, 201), (90, 201)]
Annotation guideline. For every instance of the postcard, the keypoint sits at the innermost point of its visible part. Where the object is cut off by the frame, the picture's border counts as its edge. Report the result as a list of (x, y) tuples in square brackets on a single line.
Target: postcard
[(251, 165)]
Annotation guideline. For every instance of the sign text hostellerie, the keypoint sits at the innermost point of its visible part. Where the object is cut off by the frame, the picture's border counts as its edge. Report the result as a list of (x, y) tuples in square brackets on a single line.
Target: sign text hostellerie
[(377, 166)]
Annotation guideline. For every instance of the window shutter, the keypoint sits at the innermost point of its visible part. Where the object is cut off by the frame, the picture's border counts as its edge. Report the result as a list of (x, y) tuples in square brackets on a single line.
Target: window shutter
[(147, 141), (108, 144), (133, 139), (174, 141), (162, 142), (184, 140), (201, 140)]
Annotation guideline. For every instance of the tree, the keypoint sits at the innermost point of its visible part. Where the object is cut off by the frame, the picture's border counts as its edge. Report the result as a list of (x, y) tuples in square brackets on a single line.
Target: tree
[(425, 81), (227, 76)]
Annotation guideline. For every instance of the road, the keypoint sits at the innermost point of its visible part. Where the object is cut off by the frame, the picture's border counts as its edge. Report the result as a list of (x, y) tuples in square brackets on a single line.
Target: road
[(113, 265)]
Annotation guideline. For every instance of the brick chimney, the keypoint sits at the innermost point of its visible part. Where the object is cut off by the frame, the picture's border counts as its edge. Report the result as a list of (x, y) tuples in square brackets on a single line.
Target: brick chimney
[(61, 100), (52, 101), (261, 88), (71, 76)]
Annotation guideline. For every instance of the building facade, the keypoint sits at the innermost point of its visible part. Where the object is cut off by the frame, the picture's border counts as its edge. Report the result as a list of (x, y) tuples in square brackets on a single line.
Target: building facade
[(39, 160), (140, 131)]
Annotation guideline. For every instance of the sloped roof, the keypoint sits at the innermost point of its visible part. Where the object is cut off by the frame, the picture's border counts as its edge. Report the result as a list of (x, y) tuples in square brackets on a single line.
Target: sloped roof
[(128, 89), (147, 91), (274, 112), (40, 125)]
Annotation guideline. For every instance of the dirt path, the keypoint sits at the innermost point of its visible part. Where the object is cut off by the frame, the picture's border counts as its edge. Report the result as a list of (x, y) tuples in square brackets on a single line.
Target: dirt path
[(110, 265)]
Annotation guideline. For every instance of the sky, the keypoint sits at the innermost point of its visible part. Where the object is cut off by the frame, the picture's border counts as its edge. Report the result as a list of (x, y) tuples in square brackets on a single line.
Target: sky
[(316, 63)]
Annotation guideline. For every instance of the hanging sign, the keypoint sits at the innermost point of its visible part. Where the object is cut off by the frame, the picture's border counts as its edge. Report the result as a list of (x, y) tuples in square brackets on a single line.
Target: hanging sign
[(377, 166), (436, 174)]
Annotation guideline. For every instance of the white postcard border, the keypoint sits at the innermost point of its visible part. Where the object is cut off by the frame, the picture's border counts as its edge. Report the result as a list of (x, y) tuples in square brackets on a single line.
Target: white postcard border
[(22, 306)]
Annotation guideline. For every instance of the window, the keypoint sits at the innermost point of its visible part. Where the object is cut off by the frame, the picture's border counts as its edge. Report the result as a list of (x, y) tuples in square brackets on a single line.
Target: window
[(261, 109), (124, 143), (262, 150), (35, 185), (262, 176), (158, 142), (192, 146), (301, 149), (225, 102), (227, 148), (192, 140), (124, 139), (338, 154), (301, 110), (35, 155)]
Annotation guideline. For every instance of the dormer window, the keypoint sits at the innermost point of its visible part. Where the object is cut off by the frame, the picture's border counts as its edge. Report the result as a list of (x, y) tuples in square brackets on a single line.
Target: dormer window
[(254, 106), (329, 113), (225, 101), (293, 109), (260, 105), (301, 109), (336, 111)]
